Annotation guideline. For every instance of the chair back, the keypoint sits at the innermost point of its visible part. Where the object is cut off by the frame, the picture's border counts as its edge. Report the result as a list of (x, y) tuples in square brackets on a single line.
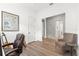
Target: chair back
[(18, 43), (70, 38)]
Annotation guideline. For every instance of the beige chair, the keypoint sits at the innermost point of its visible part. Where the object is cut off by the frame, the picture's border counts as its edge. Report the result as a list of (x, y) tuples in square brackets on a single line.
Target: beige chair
[(69, 38), (70, 47)]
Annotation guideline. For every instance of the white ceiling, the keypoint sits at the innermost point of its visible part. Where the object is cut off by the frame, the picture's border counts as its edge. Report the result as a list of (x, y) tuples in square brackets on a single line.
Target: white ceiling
[(37, 6), (30, 6)]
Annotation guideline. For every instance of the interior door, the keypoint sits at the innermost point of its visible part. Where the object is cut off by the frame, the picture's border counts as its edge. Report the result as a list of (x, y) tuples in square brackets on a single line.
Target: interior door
[(31, 29), (59, 29)]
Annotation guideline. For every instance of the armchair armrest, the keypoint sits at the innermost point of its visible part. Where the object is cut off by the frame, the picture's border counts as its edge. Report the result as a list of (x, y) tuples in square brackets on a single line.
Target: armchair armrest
[(7, 44), (11, 51)]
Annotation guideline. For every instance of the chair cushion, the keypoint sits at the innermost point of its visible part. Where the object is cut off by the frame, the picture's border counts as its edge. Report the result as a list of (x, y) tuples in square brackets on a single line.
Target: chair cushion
[(9, 49)]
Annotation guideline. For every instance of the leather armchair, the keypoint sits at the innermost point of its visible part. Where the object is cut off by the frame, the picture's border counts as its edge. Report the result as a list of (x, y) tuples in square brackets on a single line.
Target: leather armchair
[(17, 46)]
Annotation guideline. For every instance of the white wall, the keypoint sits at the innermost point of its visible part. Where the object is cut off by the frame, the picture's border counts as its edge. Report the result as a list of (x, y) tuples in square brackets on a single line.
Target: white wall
[(71, 18), (23, 13)]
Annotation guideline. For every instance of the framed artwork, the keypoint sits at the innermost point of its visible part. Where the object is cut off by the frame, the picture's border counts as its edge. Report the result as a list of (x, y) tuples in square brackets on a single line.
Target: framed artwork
[(10, 22)]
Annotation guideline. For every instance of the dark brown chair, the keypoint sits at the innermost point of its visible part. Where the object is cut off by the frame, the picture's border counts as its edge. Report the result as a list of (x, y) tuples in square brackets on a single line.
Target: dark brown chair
[(17, 46)]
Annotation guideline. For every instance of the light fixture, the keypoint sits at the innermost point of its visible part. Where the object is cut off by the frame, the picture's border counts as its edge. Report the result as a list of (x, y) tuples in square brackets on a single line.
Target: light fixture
[(50, 4)]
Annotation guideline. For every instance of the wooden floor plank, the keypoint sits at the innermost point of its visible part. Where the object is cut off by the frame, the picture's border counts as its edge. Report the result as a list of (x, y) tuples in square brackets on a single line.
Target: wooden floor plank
[(37, 48)]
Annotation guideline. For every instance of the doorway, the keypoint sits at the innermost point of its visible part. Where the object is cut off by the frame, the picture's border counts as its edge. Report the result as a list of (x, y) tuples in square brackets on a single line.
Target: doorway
[(54, 26)]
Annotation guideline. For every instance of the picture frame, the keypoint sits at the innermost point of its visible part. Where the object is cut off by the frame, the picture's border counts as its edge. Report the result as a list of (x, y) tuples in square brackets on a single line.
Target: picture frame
[(10, 22)]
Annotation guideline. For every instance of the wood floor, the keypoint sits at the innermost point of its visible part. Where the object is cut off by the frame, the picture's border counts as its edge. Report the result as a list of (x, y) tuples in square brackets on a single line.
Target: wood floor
[(38, 48)]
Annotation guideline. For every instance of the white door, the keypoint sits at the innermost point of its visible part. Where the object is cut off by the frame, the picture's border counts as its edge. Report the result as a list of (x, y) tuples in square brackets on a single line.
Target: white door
[(59, 29), (31, 29)]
